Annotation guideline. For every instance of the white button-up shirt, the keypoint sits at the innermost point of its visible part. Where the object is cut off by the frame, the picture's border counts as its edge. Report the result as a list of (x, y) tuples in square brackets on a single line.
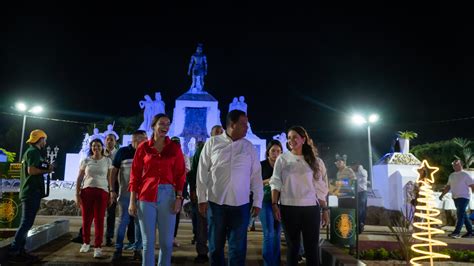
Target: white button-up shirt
[(294, 179), (228, 170)]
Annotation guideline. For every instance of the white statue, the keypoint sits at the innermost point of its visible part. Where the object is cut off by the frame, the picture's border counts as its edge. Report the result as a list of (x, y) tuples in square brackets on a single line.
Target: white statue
[(147, 105), (158, 105), (238, 104), (242, 105), (96, 135), (85, 147), (282, 139), (110, 131), (191, 146), (234, 104), (197, 69), (151, 108)]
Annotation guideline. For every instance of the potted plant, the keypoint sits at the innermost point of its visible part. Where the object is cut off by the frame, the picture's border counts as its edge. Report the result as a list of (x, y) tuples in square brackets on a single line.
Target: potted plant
[(404, 138), (467, 156)]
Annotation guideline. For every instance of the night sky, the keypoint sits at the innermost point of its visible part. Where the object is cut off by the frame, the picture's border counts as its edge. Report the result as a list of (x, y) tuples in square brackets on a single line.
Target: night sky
[(310, 65)]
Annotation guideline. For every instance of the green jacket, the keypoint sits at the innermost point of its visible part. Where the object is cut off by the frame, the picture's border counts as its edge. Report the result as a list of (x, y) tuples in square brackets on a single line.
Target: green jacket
[(31, 184)]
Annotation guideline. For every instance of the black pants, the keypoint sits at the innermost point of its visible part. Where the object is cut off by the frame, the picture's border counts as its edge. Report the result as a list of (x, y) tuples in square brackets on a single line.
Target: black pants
[(301, 220), (111, 221), (131, 230)]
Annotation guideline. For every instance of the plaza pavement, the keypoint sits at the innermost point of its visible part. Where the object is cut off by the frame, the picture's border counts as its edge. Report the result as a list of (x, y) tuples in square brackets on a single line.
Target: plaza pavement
[(64, 252)]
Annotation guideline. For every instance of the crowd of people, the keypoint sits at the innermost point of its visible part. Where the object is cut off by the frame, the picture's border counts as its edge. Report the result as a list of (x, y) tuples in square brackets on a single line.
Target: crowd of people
[(227, 185)]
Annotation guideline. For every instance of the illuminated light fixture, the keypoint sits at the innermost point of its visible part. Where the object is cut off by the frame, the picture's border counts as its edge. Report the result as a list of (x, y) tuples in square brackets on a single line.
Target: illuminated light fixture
[(20, 106), (358, 120), (373, 118), (36, 109), (426, 213)]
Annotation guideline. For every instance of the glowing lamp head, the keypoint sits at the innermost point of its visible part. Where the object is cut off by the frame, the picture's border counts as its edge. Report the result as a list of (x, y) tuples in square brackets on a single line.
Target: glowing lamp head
[(20, 106), (358, 120), (36, 110), (373, 118)]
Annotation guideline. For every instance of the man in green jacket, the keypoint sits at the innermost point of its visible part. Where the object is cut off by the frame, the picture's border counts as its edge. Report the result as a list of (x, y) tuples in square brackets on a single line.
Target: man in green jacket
[(31, 191)]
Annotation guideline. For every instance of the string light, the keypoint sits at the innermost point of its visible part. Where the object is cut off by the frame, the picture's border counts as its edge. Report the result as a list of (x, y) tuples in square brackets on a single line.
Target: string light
[(426, 212)]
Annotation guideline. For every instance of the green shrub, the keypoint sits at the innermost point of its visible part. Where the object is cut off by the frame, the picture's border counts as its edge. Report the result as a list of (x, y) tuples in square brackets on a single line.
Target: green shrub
[(382, 254), (368, 254)]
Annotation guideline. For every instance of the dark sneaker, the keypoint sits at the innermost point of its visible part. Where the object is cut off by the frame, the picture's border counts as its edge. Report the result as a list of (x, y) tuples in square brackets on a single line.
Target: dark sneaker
[(117, 255), (137, 255), (201, 259), (108, 242), (468, 235), (454, 235)]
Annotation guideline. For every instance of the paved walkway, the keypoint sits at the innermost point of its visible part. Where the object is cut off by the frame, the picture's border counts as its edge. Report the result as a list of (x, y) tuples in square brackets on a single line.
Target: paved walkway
[(63, 252)]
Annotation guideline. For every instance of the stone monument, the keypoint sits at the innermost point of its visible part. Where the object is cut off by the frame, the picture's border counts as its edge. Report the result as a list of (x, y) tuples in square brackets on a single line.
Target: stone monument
[(392, 176), (196, 111)]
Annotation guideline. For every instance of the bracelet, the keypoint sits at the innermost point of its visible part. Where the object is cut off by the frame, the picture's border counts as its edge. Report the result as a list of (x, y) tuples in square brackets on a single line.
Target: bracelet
[(274, 204), (179, 197), (325, 208)]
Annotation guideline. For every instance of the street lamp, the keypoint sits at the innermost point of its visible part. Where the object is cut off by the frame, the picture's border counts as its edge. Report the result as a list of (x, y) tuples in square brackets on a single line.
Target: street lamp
[(361, 120), (24, 109)]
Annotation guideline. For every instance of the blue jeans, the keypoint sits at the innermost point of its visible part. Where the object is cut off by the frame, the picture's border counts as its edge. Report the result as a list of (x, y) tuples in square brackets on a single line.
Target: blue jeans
[(153, 215), (226, 220), (362, 196), (271, 235), (29, 208), (123, 225), (461, 205)]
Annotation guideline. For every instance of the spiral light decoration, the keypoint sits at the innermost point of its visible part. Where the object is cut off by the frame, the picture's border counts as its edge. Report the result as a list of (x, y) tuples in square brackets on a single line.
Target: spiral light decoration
[(426, 212)]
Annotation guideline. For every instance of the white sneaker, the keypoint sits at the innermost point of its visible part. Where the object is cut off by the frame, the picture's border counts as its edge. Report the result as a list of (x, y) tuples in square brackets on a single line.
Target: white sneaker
[(97, 253), (85, 248)]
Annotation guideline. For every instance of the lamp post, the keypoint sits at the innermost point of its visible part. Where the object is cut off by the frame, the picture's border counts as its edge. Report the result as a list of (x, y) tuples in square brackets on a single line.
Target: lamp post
[(23, 108), (361, 120)]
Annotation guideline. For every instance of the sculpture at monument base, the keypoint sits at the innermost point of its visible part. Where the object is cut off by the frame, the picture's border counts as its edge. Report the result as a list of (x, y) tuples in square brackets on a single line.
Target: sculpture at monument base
[(150, 109)]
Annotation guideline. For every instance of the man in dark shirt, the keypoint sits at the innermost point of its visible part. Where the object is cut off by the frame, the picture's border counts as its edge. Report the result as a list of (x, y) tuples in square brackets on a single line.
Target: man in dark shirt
[(121, 173), (31, 191)]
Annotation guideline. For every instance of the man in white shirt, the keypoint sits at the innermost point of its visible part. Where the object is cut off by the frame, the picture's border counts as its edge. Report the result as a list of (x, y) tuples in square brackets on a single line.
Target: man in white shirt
[(459, 183), (361, 175), (228, 170)]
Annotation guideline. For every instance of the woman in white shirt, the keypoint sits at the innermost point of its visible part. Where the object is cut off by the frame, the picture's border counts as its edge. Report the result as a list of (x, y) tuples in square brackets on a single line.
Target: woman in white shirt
[(299, 184), (92, 194)]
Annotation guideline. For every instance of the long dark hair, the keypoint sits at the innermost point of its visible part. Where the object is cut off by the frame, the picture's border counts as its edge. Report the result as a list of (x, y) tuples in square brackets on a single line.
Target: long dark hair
[(309, 150), (155, 120), (270, 144), (94, 141)]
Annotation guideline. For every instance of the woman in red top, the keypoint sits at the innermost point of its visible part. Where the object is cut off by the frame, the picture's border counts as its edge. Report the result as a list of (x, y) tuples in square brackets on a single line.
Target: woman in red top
[(156, 181)]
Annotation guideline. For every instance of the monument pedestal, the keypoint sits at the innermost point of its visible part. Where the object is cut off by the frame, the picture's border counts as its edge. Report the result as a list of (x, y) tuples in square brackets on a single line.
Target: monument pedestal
[(390, 179), (194, 115)]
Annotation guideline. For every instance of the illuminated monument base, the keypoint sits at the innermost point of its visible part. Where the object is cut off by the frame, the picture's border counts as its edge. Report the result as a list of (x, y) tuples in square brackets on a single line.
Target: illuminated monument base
[(393, 179)]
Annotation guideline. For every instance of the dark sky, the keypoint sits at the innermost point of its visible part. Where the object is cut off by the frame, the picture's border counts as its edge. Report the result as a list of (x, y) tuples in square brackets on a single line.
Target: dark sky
[(295, 64)]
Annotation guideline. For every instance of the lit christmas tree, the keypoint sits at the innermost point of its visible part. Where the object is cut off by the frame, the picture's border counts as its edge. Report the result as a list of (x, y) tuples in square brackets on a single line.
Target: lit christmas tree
[(426, 212)]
